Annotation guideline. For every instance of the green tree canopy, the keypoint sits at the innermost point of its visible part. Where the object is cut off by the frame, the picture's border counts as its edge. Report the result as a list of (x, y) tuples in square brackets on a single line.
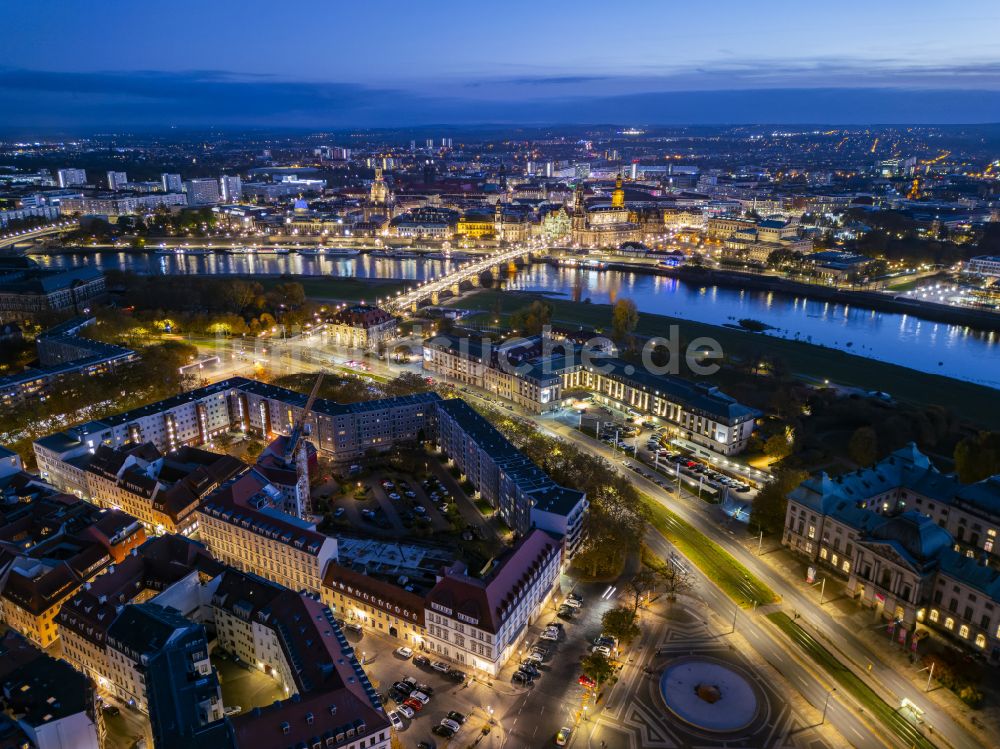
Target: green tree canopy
[(621, 623), (597, 667), (624, 318)]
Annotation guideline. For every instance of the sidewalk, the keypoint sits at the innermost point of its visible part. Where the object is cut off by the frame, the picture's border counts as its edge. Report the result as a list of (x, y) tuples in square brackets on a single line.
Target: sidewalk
[(870, 631)]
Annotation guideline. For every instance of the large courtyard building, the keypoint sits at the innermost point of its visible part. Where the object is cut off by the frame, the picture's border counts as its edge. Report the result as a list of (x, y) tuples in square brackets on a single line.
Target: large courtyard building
[(915, 544), (477, 621), (343, 431), (540, 378)]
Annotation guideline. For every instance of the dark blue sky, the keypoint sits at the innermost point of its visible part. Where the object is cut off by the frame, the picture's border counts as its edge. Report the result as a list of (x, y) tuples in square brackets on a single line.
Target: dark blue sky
[(336, 64)]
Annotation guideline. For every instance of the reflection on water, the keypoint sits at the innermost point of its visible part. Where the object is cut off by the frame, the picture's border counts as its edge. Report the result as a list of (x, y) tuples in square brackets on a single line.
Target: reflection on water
[(950, 350), (264, 264)]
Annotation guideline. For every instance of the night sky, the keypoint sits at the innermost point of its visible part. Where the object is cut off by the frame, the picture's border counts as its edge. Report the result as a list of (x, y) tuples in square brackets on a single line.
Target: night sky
[(71, 63)]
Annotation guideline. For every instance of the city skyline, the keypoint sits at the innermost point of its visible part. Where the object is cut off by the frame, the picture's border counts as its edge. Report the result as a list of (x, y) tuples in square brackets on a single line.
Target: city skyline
[(390, 66)]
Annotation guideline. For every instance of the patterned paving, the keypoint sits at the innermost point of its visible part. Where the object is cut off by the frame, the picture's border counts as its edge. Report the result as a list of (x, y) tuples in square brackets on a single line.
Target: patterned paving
[(636, 718)]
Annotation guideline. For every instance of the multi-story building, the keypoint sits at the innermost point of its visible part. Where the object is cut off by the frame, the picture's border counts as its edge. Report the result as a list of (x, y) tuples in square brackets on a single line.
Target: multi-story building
[(140, 637), (480, 621), (52, 704), (477, 621), (162, 491), (26, 289), (602, 224), (361, 326), (58, 543), (241, 525), (71, 177), (984, 265), (171, 182), (522, 493), (343, 431), (331, 697), (63, 353), (117, 181), (540, 378), (169, 570), (202, 191), (913, 543), (121, 205), (230, 188)]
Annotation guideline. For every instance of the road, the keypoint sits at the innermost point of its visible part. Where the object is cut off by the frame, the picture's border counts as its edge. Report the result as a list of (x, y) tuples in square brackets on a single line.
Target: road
[(892, 686), (886, 681), (9, 240)]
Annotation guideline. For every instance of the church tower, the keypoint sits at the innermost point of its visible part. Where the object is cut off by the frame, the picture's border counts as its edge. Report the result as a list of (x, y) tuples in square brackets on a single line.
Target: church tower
[(578, 223), (618, 196)]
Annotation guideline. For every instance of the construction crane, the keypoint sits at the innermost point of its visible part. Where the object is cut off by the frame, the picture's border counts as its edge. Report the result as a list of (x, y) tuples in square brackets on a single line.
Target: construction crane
[(301, 427)]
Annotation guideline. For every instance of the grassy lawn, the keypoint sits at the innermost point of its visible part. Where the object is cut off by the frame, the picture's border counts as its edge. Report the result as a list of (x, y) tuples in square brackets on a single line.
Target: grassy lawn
[(975, 403), (850, 683), (717, 563)]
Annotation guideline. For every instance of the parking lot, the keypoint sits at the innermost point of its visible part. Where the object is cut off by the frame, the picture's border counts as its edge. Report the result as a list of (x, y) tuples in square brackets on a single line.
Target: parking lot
[(389, 503), (524, 714)]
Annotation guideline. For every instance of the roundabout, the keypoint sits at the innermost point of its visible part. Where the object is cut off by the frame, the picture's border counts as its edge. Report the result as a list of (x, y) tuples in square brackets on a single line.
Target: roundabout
[(709, 694)]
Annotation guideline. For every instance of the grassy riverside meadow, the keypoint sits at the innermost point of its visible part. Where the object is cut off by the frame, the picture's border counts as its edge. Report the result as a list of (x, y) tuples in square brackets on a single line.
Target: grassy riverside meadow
[(717, 563), (976, 403), (324, 288), (848, 681)]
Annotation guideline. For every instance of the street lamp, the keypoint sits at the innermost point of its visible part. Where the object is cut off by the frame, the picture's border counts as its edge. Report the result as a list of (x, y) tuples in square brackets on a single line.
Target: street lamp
[(827, 704)]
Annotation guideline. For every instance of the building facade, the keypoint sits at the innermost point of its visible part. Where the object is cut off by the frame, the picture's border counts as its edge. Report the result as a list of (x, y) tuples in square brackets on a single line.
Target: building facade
[(913, 543)]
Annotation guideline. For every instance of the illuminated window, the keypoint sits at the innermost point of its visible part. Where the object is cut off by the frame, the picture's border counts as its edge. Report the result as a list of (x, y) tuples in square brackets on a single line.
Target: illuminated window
[(980, 640), (949, 623), (834, 560), (812, 531), (822, 553), (846, 566), (964, 630)]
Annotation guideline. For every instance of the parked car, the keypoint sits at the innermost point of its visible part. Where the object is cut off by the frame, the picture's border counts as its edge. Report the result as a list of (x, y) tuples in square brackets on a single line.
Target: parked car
[(232, 710), (456, 675), (562, 738), (426, 689), (339, 512), (396, 721), (354, 627), (457, 717), (455, 727), (586, 681), (419, 696), (403, 687), (441, 666), (443, 731), (112, 711), (417, 705), (520, 677), (550, 636), (404, 652), (406, 711), (574, 602), (422, 661), (602, 649)]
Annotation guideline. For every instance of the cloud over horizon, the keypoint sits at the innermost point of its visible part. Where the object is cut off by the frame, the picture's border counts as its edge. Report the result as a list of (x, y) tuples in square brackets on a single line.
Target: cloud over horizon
[(759, 93)]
